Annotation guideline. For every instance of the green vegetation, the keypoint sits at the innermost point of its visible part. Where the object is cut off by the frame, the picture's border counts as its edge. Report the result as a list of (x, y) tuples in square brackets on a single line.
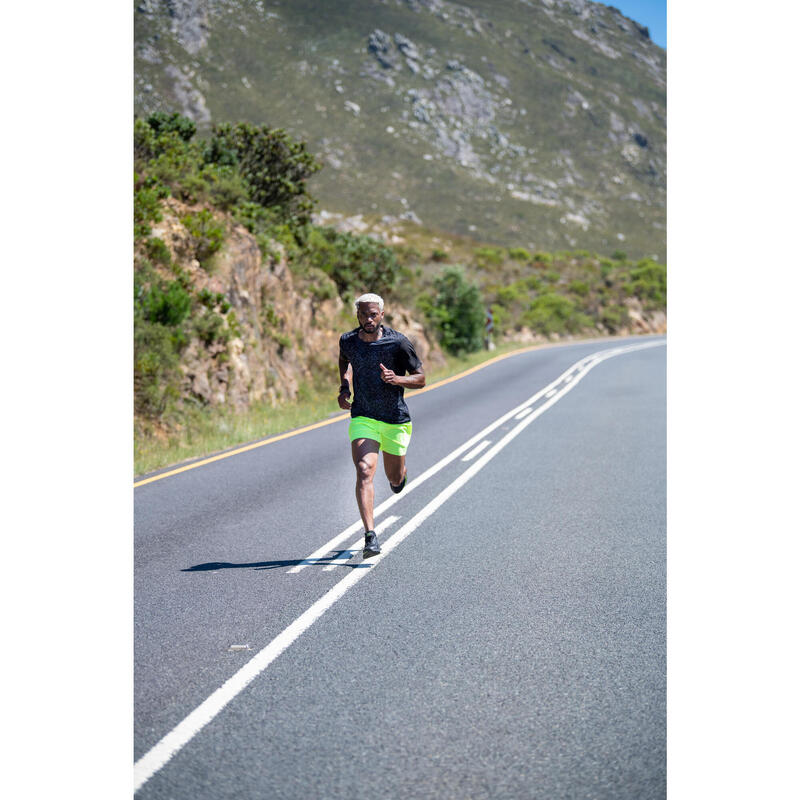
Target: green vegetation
[(256, 177), (456, 311), (357, 264)]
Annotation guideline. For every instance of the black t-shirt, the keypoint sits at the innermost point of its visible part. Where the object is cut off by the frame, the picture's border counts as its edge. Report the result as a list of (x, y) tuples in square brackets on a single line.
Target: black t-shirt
[(371, 396)]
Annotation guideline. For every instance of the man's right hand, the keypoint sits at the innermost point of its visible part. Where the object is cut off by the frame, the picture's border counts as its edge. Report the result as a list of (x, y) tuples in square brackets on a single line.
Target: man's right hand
[(344, 403)]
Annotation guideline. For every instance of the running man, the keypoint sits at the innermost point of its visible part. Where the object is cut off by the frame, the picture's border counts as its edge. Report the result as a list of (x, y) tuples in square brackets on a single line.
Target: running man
[(380, 358)]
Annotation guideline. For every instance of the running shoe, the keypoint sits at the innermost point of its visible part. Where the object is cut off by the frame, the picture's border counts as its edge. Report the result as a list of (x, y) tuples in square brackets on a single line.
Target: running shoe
[(371, 547), (398, 489)]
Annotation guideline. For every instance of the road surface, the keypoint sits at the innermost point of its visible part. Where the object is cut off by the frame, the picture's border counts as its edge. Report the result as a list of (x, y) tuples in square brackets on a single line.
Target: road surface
[(509, 642)]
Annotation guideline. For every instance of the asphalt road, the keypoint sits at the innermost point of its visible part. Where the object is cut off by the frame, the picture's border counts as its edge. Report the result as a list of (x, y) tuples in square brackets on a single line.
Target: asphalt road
[(509, 643)]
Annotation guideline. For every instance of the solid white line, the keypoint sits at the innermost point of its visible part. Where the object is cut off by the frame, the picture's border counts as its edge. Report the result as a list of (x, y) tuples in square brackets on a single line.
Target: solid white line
[(469, 456), (524, 413), (347, 554), (182, 733), (551, 393)]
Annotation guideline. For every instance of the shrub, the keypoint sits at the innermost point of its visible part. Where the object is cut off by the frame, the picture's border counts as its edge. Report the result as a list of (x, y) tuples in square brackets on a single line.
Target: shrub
[(619, 255), (515, 293), (168, 306), (356, 263), (156, 372), (162, 122), (210, 327), (456, 312), (543, 258), (614, 317), (158, 251), (146, 208), (519, 254), (439, 255), (273, 166), (486, 256), (552, 313), (207, 234), (649, 281), (581, 288)]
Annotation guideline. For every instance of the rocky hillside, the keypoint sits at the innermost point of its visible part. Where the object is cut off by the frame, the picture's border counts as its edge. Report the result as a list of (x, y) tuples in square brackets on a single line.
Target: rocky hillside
[(534, 123), (263, 331)]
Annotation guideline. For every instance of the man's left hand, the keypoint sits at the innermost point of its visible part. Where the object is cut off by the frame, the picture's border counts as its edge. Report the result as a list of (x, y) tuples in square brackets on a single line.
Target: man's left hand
[(387, 376)]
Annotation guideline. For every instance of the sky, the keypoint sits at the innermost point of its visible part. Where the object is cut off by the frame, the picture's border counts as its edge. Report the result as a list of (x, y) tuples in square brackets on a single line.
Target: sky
[(652, 13)]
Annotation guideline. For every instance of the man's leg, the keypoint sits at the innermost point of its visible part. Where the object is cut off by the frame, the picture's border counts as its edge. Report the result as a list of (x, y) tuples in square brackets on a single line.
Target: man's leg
[(365, 458), (394, 443), (395, 468)]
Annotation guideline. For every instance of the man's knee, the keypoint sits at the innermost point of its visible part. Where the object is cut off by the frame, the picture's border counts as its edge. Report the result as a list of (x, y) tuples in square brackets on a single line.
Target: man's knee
[(365, 469)]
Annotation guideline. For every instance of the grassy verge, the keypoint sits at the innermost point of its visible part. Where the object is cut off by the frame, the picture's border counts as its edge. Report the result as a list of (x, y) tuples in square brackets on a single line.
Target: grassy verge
[(211, 431)]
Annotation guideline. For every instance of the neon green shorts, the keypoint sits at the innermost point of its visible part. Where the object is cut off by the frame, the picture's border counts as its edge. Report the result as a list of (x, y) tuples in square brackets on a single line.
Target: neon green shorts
[(393, 439)]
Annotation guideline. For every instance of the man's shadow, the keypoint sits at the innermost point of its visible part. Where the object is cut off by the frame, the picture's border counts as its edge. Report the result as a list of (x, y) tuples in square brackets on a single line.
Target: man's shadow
[(214, 566)]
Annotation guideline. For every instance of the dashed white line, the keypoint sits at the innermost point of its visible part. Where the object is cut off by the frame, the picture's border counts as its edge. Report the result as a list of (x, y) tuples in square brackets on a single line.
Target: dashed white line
[(524, 413), (469, 456)]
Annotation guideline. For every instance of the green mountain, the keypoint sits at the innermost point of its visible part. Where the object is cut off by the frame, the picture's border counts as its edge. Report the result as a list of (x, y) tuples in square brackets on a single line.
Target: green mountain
[(532, 123)]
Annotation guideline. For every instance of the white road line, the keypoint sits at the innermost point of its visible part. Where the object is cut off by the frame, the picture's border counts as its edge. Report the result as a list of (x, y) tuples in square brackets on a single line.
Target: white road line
[(354, 548), (181, 734), (469, 456), (551, 393), (524, 413)]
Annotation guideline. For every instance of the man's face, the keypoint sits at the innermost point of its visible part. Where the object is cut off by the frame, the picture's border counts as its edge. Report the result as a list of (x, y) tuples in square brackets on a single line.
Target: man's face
[(369, 316)]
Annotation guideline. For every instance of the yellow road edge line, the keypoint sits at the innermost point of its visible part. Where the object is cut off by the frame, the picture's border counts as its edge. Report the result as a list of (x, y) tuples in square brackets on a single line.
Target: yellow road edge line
[(338, 418)]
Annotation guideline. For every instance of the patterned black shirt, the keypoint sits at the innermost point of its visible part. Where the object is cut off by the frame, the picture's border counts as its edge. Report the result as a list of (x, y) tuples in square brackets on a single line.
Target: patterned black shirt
[(371, 396)]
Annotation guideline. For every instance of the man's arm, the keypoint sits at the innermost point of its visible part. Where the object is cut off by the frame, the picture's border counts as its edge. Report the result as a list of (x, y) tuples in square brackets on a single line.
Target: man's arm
[(344, 388), (414, 380)]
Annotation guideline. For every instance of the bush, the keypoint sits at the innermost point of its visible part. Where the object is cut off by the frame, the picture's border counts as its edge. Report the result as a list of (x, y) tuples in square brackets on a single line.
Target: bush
[(355, 263), (550, 313), (515, 293), (156, 371), (146, 207), (614, 317), (580, 288), (501, 318), (519, 254), (648, 280), (273, 166), (158, 251), (210, 327), (486, 256), (167, 306), (207, 234), (439, 255), (456, 312), (161, 122)]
